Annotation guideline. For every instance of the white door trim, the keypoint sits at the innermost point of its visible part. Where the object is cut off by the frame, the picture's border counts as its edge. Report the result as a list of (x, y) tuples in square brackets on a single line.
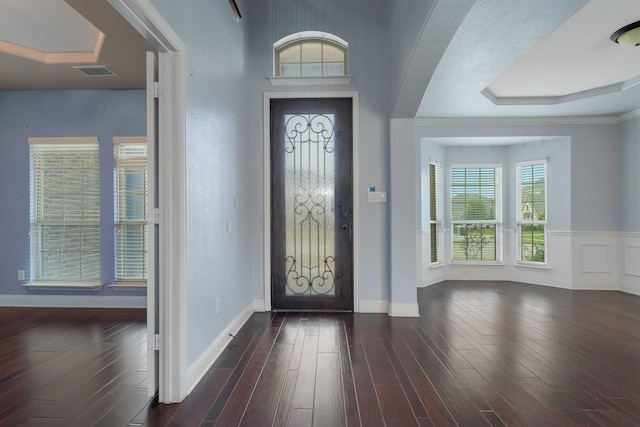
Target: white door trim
[(146, 19), (267, 186)]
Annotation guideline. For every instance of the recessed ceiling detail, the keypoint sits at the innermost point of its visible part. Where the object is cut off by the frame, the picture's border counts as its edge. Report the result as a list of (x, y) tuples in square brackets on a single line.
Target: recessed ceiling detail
[(50, 32), (576, 61)]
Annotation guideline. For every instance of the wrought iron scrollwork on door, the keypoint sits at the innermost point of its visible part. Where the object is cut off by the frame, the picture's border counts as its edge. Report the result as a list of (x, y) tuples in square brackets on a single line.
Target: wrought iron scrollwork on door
[(309, 201)]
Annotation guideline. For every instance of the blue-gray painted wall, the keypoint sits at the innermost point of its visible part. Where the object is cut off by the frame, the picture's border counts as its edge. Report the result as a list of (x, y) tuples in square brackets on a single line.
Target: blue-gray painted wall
[(25, 114)]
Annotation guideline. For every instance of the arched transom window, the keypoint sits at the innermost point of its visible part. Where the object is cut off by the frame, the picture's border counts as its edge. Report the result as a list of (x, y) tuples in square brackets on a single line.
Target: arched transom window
[(310, 55)]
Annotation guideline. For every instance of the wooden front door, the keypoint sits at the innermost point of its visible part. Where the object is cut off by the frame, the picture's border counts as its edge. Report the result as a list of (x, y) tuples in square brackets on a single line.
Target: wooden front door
[(311, 204)]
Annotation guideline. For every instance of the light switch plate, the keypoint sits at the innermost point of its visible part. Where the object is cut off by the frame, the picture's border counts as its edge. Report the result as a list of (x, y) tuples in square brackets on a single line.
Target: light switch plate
[(377, 196)]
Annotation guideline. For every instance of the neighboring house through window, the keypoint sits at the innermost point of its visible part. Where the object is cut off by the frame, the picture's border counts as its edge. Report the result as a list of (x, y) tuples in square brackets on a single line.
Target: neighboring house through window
[(434, 212), (130, 208), (531, 210), (476, 214), (65, 210)]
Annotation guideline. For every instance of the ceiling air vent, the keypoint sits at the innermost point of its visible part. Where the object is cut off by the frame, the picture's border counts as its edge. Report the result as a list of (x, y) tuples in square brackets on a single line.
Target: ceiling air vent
[(95, 70)]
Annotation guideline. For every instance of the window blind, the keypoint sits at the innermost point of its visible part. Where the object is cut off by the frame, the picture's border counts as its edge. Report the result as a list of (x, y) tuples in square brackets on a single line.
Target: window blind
[(434, 210), (531, 210), (476, 212), (130, 208), (65, 209)]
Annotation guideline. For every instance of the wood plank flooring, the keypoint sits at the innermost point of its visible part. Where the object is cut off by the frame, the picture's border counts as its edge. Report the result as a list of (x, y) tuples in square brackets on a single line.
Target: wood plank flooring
[(481, 353)]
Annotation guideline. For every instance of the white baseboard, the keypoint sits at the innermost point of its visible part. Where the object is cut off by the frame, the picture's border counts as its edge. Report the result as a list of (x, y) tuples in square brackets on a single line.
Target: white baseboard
[(73, 301), (404, 310), (259, 305), (200, 367), (372, 306), (597, 286), (630, 288)]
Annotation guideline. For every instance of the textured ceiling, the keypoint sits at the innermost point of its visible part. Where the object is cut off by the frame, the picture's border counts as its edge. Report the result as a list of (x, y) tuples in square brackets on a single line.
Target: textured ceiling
[(497, 34)]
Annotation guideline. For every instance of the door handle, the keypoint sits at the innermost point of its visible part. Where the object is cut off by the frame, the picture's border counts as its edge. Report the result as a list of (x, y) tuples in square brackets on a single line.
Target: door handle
[(347, 227)]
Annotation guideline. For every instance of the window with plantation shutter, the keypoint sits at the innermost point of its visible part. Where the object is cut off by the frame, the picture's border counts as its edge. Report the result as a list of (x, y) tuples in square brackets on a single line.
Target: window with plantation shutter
[(434, 211), (130, 208), (65, 210), (531, 210), (476, 214)]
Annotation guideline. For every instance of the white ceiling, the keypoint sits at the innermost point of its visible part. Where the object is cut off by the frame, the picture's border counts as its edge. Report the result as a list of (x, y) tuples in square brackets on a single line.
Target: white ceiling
[(56, 27), (537, 58)]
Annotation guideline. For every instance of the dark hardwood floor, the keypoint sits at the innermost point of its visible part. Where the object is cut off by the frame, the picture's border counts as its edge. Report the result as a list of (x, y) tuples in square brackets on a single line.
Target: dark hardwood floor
[(481, 353)]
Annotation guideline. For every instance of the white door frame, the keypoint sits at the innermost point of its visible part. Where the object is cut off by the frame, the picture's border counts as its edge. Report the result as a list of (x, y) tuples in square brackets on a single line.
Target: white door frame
[(146, 19), (268, 96)]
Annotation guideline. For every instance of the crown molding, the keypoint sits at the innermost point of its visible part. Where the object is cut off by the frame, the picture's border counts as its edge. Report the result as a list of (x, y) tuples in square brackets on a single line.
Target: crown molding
[(629, 116), (492, 121)]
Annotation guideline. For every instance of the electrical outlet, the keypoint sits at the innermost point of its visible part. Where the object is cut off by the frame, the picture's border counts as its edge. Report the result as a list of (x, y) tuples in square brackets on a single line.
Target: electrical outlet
[(21, 275), (218, 305)]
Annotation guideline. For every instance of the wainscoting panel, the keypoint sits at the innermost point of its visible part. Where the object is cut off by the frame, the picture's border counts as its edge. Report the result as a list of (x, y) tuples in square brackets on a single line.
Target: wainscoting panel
[(629, 262), (594, 258), (632, 260)]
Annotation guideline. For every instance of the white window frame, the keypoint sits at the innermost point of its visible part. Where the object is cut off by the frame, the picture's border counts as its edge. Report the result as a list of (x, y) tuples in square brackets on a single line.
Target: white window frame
[(86, 215), (521, 220), (123, 162), (497, 222), (301, 38), (435, 212)]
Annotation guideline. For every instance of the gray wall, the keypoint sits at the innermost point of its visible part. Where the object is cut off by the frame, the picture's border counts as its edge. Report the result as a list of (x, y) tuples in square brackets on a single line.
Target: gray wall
[(594, 178), (629, 176), (218, 152), (24, 114)]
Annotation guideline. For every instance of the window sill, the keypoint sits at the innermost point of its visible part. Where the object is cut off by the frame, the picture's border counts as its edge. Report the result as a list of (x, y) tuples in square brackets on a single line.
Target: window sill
[(436, 265), (539, 266), (62, 286), (478, 263), (309, 81), (130, 286)]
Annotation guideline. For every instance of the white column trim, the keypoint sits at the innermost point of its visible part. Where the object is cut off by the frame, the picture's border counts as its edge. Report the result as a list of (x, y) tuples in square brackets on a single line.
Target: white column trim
[(148, 21)]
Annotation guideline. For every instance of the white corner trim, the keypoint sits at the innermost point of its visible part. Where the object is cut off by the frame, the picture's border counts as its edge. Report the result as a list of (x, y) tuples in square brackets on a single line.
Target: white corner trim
[(259, 306), (404, 310), (371, 306), (203, 363), (73, 301), (150, 23)]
